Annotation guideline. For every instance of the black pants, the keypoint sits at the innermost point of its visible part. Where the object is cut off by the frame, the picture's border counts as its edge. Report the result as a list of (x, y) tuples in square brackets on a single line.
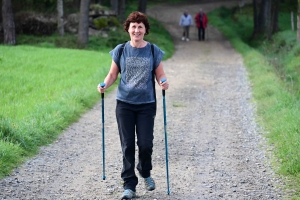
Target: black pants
[(201, 34), (135, 120)]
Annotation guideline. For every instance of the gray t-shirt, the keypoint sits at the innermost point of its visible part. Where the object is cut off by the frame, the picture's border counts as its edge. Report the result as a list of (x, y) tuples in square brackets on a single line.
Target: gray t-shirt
[(136, 64)]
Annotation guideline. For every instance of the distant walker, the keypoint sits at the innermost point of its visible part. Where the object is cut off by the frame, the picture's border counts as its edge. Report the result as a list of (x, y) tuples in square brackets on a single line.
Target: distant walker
[(201, 21), (185, 21)]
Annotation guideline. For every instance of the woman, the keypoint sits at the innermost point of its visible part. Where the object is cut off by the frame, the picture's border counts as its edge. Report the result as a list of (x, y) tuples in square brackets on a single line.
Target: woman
[(136, 101)]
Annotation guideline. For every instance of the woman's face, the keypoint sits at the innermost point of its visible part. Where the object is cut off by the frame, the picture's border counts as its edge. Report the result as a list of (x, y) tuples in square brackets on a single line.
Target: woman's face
[(136, 31)]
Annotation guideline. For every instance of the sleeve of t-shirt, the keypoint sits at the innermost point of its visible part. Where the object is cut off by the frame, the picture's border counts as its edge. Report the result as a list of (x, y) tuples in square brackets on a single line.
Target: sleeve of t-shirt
[(115, 54), (158, 55)]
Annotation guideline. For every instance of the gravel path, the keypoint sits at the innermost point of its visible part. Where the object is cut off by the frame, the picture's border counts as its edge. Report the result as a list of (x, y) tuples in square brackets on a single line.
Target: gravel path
[(216, 150)]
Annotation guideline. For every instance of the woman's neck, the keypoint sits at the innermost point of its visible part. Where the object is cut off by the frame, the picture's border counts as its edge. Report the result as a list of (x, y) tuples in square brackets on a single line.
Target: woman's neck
[(138, 44)]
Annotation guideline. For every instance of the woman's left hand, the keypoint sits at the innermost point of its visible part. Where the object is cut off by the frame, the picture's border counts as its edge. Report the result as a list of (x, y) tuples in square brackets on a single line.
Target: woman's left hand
[(164, 85)]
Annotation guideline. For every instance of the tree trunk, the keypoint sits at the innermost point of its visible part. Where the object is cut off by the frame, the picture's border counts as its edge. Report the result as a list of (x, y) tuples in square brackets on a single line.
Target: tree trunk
[(122, 7), (114, 5), (259, 16), (298, 24), (272, 17), (262, 17), (119, 7), (83, 29), (266, 20), (268, 27), (275, 12), (142, 6), (60, 17), (292, 20), (255, 18), (8, 23)]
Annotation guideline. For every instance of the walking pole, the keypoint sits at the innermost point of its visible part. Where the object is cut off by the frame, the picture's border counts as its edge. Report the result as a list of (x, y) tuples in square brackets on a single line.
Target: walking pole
[(166, 136), (103, 143)]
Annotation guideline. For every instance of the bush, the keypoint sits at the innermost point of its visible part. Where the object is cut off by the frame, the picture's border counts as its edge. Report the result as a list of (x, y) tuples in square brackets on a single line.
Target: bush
[(101, 23)]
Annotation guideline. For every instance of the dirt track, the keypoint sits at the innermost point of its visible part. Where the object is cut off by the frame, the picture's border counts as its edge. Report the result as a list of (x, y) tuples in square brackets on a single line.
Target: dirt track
[(216, 150)]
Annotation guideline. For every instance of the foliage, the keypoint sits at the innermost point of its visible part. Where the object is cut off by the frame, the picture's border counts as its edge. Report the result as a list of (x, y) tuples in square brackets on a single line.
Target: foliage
[(106, 22), (40, 6), (113, 21), (98, 7), (101, 23)]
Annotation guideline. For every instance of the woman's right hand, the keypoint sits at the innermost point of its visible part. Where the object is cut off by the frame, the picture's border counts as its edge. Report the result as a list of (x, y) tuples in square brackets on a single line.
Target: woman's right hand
[(101, 89)]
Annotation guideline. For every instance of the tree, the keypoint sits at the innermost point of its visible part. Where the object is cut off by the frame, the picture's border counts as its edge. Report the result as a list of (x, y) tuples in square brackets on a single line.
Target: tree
[(274, 10), (142, 6), (298, 22), (8, 23), (60, 17), (259, 13), (265, 18), (119, 7), (122, 6), (83, 29), (255, 18)]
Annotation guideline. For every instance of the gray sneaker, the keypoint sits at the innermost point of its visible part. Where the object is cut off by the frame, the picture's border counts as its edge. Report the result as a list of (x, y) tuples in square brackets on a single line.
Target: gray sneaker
[(149, 183), (128, 194)]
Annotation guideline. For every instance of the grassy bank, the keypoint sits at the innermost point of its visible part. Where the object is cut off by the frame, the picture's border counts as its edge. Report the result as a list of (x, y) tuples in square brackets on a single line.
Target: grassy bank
[(273, 67)]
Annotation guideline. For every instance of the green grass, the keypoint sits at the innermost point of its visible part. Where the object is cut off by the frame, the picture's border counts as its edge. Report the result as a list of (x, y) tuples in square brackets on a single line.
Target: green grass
[(43, 91), (273, 67)]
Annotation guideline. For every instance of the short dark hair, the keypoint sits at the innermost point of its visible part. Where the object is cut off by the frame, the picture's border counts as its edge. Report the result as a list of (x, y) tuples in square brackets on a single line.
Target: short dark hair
[(137, 17)]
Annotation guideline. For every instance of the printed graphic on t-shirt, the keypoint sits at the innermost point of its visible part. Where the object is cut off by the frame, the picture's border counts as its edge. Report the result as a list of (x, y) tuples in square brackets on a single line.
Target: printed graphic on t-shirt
[(137, 72)]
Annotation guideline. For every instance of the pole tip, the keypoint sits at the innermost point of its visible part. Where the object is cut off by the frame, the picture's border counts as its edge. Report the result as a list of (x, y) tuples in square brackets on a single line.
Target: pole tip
[(103, 178)]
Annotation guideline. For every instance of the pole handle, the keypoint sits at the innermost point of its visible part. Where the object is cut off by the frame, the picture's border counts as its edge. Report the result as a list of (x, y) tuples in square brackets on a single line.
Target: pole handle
[(163, 80), (102, 85)]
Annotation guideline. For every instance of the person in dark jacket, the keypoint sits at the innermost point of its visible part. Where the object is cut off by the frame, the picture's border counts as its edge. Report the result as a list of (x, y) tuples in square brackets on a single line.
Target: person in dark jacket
[(201, 21)]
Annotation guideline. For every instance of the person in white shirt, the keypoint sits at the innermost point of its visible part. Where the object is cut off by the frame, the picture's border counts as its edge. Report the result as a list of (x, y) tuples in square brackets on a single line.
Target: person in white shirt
[(185, 21)]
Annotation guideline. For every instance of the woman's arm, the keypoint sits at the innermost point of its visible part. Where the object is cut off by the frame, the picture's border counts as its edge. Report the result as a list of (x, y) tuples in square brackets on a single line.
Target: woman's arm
[(160, 74), (110, 78)]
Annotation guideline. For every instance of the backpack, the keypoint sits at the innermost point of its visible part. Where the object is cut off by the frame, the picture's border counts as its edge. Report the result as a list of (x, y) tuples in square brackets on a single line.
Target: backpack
[(153, 71)]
